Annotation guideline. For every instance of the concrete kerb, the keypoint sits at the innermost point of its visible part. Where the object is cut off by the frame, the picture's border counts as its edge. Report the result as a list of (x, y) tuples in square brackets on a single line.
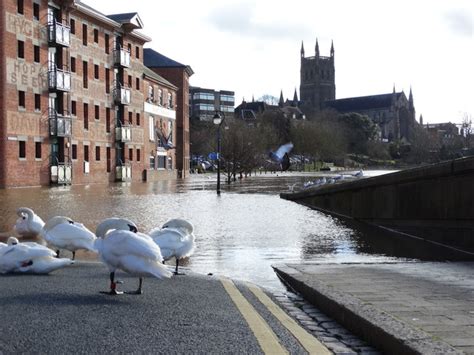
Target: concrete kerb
[(377, 327)]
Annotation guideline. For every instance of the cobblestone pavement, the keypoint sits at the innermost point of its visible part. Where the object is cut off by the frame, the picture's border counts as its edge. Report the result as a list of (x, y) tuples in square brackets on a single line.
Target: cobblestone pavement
[(334, 336), (425, 306)]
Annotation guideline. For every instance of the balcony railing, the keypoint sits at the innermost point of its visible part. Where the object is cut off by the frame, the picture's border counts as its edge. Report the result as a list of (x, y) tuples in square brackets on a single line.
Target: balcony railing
[(60, 125), (59, 79), (122, 95), (59, 34), (123, 172), (122, 57), (61, 173), (123, 134)]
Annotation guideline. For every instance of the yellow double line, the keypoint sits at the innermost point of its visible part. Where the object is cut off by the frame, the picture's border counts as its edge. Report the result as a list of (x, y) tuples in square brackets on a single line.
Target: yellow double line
[(266, 338)]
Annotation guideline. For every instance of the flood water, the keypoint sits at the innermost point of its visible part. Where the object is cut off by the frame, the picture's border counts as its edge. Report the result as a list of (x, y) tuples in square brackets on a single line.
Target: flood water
[(239, 234)]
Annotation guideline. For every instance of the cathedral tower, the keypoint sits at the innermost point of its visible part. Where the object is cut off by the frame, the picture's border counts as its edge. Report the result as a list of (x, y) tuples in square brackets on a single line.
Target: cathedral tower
[(317, 78)]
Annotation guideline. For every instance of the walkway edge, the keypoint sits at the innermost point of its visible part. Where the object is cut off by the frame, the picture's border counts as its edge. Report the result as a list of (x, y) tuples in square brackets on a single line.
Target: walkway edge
[(378, 328)]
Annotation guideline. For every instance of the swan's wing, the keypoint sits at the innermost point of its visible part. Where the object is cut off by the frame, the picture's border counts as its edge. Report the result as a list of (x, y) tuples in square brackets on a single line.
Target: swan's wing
[(167, 238), (121, 243), (70, 234), (282, 150)]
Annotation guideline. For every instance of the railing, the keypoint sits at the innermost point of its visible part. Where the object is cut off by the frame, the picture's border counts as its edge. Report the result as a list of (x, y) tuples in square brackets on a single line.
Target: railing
[(59, 125), (123, 172), (59, 34), (122, 57), (122, 94), (123, 134), (59, 79), (61, 173)]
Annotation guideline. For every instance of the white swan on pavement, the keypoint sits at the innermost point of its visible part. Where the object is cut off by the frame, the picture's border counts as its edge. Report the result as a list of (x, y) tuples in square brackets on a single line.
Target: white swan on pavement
[(28, 223), (63, 233), (121, 247), (176, 239), (29, 257)]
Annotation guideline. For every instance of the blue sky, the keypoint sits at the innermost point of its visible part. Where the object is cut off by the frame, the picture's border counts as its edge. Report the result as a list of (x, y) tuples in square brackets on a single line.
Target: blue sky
[(253, 46)]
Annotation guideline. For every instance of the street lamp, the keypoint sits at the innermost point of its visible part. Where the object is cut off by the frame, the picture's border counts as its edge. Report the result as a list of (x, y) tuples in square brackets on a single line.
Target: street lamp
[(218, 120)]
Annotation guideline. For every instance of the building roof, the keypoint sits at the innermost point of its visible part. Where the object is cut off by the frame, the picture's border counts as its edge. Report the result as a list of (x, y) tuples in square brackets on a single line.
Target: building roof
[(362, 102), (122, 17), (154, 59), (151, 74)]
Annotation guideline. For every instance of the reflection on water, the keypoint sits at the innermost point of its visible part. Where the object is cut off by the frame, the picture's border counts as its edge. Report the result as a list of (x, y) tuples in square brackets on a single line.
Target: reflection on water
[(239, 234)]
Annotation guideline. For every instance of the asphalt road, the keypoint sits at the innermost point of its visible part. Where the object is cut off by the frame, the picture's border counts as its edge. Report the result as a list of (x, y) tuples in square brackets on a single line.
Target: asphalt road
[(64, 313)]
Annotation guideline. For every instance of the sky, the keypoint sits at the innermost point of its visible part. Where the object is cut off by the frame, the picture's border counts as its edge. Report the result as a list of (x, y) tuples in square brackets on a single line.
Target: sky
[(252, 47)]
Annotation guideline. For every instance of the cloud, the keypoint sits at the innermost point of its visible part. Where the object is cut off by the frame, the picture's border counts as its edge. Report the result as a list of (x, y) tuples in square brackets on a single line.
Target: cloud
[(240, 19), (460, 22)]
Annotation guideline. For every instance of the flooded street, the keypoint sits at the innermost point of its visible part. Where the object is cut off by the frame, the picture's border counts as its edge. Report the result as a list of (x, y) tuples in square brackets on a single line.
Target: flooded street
[(239, 234)]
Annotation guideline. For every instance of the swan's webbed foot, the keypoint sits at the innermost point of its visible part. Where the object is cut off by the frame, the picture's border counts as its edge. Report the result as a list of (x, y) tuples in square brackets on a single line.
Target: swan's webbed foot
[(112, 292), (113, 286), (138, 291), (176, 272)]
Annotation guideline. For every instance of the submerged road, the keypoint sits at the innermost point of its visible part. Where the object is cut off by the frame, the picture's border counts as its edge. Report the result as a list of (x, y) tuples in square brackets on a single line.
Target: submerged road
[(64, 313)]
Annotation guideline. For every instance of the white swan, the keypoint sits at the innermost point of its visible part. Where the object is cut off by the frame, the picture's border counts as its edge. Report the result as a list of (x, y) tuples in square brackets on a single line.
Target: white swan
[(176, 239), (121, 247), (64, 233), (29, 257), (28, 224)]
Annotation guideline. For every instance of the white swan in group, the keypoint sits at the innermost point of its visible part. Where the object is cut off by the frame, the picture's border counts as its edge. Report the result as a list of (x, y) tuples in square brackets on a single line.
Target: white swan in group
[(29, 257), (175, 239), (63, 233), (28, 224), (120, 246)]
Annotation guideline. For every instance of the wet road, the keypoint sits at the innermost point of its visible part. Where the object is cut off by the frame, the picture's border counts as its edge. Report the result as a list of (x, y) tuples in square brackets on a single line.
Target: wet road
[(239, 234)]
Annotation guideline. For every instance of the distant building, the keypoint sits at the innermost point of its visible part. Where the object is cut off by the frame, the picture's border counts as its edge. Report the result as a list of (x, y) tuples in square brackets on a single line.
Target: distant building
[(317, 79), (394, 113), (205, 102), (177, 74)]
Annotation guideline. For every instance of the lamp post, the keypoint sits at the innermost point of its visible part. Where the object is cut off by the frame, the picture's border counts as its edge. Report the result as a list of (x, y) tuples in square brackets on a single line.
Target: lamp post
[(218, 120)]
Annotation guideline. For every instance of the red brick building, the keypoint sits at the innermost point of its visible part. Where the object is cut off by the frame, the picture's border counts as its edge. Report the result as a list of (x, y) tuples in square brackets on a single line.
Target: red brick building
[(77, 104)]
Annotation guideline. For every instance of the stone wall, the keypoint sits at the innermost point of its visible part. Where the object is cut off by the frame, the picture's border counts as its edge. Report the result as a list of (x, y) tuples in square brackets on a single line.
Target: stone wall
[(435, 202)]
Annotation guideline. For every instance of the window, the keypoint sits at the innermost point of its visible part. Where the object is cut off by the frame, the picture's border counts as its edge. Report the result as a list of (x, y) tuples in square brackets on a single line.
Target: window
[(137, 83), (97, 112), (137, 52), (170, 100), (20, 8), (107, 119), (152, 162), (86, 153), (84, 74), (151, 93), (138, 155), (36, 54), (160, 97), (72, 24), (21, 99), (130, 81), (21, 49), (84, 35), (161, 161), (73, 64), (37, 102), (107, 47), (96, 71), (138, 120), (97, 153), (130, 49), (86, 116), (109, 167), (73, 107), (130, 117), (37, 150), (130, 154), (74, 152), (96, 35), (36, 11), (22, 149), (107, 80)]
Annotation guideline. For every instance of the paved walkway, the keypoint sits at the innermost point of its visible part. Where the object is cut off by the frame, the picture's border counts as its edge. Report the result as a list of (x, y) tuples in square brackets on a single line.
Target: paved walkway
[(64, 313), (397, 307)]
